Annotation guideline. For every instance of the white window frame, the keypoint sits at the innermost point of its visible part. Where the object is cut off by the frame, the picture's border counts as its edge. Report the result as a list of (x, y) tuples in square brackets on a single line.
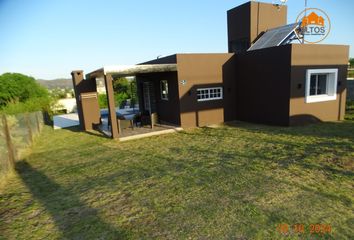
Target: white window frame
[(164, 96), (210, 98), (331, 85)]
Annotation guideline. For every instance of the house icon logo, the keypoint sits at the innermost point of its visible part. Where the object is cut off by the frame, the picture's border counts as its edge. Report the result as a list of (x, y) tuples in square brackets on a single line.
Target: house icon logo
[(312, 19), (315, 25)]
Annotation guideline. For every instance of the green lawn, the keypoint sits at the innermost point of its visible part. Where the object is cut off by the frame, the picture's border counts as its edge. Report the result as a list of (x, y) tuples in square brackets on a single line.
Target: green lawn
[(234, 182), (350, 73), (350, 110)]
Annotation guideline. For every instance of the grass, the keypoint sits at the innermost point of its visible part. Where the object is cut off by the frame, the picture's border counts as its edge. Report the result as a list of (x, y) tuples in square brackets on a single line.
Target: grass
[(350, 73), (350, 110), (234, 182)]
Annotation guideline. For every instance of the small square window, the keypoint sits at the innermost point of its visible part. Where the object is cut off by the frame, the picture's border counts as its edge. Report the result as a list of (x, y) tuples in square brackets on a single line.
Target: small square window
[(164, 89), (321, 85), (206, 94)]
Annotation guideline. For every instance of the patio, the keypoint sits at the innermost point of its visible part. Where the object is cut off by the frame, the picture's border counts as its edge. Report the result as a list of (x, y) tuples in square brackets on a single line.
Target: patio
[(129, 130)]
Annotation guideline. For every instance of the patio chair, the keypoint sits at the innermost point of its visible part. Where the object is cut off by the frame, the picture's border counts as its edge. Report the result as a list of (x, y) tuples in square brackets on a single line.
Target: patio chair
[(124, 123)]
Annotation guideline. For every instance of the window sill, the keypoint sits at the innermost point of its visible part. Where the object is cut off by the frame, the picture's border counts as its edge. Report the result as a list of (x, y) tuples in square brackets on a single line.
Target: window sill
[(209, 99), (320, 98)]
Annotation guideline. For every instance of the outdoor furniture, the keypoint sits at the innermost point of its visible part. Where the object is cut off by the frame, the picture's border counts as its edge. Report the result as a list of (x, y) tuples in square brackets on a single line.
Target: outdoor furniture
[(125, 122), (149, 119), (154, 119)]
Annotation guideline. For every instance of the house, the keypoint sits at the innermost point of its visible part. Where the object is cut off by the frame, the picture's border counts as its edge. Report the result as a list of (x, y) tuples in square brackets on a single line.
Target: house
[(262, 79), (312, 19)]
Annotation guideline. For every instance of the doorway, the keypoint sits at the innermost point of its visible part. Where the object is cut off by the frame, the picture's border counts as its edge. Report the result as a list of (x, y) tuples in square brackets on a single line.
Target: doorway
[(149, 97)]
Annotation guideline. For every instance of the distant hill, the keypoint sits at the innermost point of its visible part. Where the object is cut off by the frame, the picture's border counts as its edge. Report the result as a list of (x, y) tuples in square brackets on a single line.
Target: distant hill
[(56, 83)]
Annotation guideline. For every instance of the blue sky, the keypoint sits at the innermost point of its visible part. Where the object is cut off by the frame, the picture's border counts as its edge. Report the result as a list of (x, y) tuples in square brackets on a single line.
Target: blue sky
[(49, 38)]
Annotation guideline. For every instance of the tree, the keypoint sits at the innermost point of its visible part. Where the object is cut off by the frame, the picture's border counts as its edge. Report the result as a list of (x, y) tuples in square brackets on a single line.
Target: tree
[(16, 87), (351, 61), (125, 89), (121, 85)]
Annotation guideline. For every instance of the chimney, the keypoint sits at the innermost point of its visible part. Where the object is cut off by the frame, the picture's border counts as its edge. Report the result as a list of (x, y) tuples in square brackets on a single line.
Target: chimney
[(247, 22)]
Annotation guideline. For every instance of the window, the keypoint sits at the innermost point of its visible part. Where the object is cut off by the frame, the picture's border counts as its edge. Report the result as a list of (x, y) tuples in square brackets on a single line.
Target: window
[(206, 94), (321, 85), (164, 89), (318, 84)]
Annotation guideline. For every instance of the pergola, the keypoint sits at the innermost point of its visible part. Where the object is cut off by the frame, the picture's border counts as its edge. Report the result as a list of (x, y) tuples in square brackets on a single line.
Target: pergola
[(110, 72)]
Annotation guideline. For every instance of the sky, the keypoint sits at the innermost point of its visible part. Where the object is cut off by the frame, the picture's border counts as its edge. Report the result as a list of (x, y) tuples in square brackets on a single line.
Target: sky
[(47, 39)]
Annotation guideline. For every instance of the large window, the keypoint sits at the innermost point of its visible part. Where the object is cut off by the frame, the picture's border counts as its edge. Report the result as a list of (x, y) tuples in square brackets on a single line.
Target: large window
[(164, 89), (321, 85), (207, 94)]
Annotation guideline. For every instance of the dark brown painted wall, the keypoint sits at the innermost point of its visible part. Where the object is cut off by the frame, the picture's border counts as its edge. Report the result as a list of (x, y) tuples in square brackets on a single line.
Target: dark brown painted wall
[(200, 71), (251, 19), (239, 24), (263, 86), (168, 110), (317, 57), (271, 84)]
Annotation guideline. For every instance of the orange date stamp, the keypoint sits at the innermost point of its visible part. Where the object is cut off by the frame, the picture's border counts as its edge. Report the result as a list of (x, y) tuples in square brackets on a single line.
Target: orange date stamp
[(299, 228)]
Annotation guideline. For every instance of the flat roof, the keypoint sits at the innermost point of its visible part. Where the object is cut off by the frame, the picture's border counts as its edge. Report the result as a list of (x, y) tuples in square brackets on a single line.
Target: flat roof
[(131, 70)]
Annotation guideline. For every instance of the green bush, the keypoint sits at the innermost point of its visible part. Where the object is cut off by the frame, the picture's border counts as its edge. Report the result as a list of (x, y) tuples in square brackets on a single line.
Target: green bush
[(125, 89), (351, 62), (16, 87), (31, 105), (20, 93), (102, 101), (119, 98)]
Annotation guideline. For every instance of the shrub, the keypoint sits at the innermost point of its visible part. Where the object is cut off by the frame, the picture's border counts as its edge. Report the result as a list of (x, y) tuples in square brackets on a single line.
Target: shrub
[(31, 105), (16, 87), (102, 101), (119, 99), (351, 62), (20, 93)]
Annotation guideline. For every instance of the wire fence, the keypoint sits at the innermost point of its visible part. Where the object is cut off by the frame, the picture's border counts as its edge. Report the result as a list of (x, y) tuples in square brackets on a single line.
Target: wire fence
[(17, 133)]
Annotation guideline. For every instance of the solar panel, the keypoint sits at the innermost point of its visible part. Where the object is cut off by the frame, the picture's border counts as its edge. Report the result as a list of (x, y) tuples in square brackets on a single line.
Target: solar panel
[(276, 37)]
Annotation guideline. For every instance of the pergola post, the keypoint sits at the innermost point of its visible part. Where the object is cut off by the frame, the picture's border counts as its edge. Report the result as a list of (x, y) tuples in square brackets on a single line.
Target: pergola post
[(111, 105), (77, 78)]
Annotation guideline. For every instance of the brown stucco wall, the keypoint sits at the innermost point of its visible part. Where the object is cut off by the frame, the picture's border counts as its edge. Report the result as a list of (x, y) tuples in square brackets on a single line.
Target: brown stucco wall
[(263, 83), (317, 57), (91, 111), (88, 109), (168, 110), (163, 60), (265, 16), (202, 71)]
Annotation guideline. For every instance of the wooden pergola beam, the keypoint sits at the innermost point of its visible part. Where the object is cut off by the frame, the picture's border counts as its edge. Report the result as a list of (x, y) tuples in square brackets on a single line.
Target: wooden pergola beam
[(111, 106), (121, 71)]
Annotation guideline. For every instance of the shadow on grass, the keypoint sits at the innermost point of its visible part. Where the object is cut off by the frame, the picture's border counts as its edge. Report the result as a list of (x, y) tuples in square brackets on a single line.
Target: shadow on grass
[(343, 129), (96, 133), (72, 217)]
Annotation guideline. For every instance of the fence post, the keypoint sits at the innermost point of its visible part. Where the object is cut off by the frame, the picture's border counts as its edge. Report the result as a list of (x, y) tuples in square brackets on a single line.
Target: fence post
[(10, 148), (27, 120), (38, 124)]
